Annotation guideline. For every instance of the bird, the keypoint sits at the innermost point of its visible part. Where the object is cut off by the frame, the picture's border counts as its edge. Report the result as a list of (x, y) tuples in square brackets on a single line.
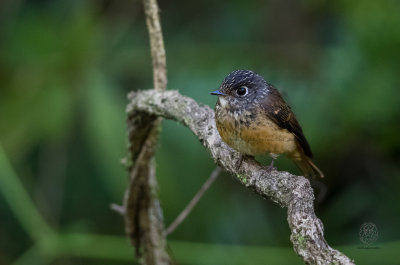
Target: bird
[(253, 118)]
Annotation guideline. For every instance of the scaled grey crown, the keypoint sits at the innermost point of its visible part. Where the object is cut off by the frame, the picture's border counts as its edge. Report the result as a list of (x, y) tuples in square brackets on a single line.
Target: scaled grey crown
[(243, 78)]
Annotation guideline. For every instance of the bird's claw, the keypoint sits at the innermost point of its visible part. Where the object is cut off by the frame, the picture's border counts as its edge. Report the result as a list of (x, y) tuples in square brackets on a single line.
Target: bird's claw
[(271, 166), (239, 162)]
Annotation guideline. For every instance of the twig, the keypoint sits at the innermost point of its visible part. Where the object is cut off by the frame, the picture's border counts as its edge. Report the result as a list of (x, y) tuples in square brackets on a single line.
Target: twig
[(194, 201), (118, 208), (293, 192)]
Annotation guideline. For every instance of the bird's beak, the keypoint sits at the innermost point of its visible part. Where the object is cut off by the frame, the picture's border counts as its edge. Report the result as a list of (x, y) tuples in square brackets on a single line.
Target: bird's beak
[(218, 93)]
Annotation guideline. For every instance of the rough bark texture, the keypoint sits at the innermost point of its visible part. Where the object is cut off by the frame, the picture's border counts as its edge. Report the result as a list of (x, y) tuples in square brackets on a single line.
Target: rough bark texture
[(293, 192), (143, 215)]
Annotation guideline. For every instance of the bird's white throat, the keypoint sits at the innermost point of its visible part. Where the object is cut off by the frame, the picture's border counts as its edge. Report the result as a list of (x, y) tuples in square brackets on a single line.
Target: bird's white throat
[(222, 101)]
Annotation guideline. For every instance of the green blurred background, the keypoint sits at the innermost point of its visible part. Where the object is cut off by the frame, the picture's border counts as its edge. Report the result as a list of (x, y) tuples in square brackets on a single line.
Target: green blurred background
[(65, 70)]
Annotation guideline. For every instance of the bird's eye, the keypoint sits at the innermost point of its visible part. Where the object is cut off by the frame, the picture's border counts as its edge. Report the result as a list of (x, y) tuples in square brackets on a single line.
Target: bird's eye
[(242, 91)]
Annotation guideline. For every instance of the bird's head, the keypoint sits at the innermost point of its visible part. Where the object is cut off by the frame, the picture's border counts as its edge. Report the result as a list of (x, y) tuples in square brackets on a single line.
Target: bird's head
[(242, 88)]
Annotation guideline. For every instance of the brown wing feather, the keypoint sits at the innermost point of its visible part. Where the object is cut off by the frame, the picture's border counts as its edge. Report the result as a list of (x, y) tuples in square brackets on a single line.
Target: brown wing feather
[(280, 112)]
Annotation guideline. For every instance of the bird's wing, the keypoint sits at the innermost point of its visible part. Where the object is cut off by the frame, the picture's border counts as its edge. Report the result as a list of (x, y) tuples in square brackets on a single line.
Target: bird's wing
[(280, 112)]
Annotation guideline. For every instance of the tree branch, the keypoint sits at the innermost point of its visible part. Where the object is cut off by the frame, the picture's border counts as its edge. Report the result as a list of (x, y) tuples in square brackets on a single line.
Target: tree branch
[(142, 212), (156, 44), (293, 192)]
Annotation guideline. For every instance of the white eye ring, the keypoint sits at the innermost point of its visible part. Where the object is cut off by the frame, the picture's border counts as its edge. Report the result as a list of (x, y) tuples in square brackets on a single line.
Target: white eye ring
[(242, 91)]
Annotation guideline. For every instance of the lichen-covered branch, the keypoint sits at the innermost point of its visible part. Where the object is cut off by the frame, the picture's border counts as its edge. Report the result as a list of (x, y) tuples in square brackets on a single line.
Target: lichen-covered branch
[(142, 212), (293, 192)]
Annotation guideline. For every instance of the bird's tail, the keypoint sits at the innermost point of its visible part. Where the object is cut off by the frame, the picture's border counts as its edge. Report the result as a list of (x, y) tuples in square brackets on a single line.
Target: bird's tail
[(308, 168)]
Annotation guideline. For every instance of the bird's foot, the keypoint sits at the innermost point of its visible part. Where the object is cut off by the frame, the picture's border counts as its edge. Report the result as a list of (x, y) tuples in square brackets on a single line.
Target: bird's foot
[(271, 166), (239, 162)]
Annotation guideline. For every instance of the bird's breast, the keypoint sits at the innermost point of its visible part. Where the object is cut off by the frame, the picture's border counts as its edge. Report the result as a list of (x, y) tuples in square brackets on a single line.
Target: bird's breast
[(251, 132)]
